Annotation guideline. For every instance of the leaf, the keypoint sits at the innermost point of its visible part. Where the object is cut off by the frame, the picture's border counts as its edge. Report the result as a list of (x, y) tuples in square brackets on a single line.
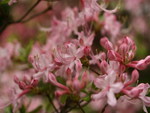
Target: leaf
[(8, 109), (4, 1), (22, 109), (24, 52), (87, 98)]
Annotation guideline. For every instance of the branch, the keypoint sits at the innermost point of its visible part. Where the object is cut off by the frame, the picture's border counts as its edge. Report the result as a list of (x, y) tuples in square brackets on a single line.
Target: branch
[(50, 100), (103, 110), (38, 14), (27, 13), (94, 71), (80, 108), (21, 20)]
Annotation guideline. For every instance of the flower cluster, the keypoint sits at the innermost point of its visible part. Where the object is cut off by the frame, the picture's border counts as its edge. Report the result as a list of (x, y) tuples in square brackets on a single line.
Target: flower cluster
[(71, 71)]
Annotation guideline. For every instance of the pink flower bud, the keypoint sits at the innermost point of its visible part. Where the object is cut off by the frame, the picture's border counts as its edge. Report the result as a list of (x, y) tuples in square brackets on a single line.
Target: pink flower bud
[(68, 72), (34, 82), (147, 60), (53, 80), (111, 55), (134, 78), (122, 68), (106, 43), (141, 65), (31, 59), (84, 80), (87, 50), (16, 80), (128, 41), (78, 65), (81, 41), (123, 49), (59, 63), (59, 93), (76, 84), (104, 66), (22, 85), (103, 56)]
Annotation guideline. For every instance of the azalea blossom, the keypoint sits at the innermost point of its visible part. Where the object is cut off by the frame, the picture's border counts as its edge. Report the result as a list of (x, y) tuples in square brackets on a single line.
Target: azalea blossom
[(109, 87)]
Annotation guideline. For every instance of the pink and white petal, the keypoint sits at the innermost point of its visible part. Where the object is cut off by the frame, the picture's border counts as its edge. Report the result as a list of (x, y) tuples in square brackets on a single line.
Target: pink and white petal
[(145, 109), (99, 95), (111, 99), (99, 82), (146, 100), (117, 87)]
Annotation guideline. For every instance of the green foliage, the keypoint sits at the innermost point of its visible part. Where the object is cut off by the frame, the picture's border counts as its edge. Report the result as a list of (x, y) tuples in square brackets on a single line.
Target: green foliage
[(141, 48), (61, 80), (8, 109), (63, 98), (87, 98), (22, 109), (41, 37), (24, 52), (4, 2)]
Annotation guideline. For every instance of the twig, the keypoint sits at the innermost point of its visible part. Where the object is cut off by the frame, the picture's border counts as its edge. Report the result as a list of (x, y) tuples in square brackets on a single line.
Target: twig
[(27, 13), (80, 108), (21, 20), (50, 100), (104, 108), (76, 106), (94, 71), (38, 14)]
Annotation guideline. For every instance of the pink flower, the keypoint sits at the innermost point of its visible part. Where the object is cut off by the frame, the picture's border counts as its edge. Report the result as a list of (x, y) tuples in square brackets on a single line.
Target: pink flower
[(111, 25), (109, 87), (106, 43), (85, 42), (141, 64), (123, 52), (140, 92), (69, 57)]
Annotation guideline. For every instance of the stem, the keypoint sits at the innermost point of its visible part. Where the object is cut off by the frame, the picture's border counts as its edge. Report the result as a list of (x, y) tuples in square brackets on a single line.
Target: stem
[(50, 100), (27, 13), (104, 108), (38, 14), (77, 106), (80, 108), (21, 20), (94, 71)]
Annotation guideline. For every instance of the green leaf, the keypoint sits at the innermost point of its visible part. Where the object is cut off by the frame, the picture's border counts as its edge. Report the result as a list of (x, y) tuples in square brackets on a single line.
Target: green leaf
[(24, 52), (22, 109), (63, 98), (8, 109), (4, 1), (87, 98)]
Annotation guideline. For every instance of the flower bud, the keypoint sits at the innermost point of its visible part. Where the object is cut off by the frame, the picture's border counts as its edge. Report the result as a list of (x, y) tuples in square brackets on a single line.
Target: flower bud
[(104, 66), (134, 78), (106, 43), (111, 55), (87, 50)]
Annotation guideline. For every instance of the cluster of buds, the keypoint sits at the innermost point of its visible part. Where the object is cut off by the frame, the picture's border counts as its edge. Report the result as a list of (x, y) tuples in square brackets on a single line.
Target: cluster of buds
[(112, 83), (68, 66)]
